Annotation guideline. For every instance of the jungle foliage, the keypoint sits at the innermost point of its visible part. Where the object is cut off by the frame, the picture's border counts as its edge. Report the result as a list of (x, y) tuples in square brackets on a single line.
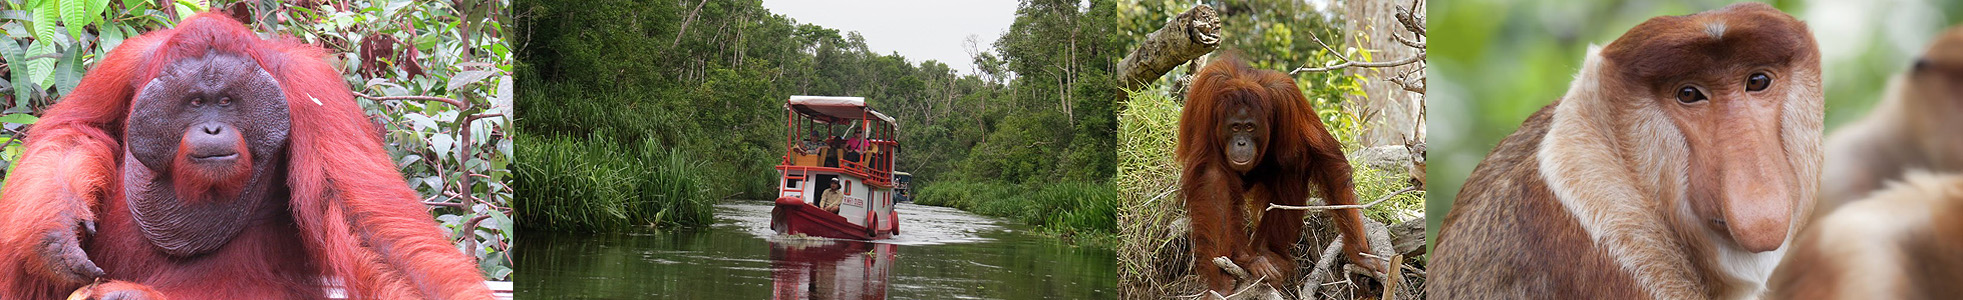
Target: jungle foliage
[(702, 84)]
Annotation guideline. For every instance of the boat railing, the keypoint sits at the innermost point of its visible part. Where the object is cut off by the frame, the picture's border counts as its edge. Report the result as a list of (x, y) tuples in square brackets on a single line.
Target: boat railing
[(872, 166)]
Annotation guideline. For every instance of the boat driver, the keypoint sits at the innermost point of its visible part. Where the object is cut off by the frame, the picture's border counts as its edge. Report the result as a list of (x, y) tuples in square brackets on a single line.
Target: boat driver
[(829, 202)]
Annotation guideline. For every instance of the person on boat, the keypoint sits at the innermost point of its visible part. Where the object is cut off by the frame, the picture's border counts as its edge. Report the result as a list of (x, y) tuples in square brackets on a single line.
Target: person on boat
[(833, 145), (812, 144), (856, 146), (830, 200)]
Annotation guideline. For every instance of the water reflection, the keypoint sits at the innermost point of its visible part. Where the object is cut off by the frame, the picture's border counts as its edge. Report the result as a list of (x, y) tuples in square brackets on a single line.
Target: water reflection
[(829, 269), (941, 253)]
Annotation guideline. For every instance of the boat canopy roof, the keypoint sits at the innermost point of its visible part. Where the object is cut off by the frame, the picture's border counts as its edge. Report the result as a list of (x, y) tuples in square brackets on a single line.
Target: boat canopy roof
[(835, 110)]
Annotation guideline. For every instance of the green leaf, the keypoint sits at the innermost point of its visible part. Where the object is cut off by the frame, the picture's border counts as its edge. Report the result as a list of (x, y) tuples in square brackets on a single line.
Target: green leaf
[(96, 8), (420, 122), (441, 144), (42, 67), (503, 96), (186, 8), (68, 70), (19, 119), (112, 36), (407, 160), (22, 81), (466, 78), (75, 14), (44, 16)]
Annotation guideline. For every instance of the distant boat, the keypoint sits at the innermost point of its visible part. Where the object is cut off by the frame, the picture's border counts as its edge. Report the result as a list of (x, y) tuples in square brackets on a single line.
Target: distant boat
[(818, 154), (903, 187)]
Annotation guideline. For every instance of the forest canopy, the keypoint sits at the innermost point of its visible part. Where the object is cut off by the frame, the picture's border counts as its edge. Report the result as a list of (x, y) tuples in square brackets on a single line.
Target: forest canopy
[(648, 113)]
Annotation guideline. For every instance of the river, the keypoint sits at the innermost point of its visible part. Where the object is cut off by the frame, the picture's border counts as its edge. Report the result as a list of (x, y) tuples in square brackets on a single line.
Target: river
[(941, 253)]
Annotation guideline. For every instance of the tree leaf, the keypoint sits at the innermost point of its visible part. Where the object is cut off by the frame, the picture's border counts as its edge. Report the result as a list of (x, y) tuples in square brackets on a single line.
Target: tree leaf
[(466, 78), (96, 8), (40, 67), (68, 70), (19, 119), (442, 145), (503, 98), (44, 16), (111, 37), (75, 14), (23, 82)]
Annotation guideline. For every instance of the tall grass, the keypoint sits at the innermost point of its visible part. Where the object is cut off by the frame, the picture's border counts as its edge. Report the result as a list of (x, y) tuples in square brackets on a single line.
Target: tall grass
[(1079, 210), (594, 183)]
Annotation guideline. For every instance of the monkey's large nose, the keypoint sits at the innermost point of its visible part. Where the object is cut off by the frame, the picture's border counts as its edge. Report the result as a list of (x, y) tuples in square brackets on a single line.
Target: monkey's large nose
[(1758, 205), (1759, 227)]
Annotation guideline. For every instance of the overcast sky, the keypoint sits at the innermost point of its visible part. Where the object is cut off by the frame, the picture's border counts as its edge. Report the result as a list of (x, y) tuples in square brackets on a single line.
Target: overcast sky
[(919, 30)]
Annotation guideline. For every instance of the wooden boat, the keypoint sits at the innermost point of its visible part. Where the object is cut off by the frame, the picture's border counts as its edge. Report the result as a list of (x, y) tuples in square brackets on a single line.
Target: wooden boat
[(818, 153), (902, 187)]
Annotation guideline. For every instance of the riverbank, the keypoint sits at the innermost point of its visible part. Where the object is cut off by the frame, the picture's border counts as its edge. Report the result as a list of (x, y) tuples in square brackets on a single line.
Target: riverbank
[(597, 184), (1081, 213)]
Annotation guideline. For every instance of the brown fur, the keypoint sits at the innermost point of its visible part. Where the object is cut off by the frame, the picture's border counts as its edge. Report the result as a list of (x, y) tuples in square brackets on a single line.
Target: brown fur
[(1912, 128), (1902, 243), (1621, 191), (1295, 156), (1472, 263)]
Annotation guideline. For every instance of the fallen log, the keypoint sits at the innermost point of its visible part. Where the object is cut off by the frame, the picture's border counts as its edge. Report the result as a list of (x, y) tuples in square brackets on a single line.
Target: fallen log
[(1187, 36)]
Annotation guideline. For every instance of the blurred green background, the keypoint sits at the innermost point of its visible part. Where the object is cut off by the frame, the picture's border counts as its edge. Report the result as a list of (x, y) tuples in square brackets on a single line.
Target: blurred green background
[(1494, 62)]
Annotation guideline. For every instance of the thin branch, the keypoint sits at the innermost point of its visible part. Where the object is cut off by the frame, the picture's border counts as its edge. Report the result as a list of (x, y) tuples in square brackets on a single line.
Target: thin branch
[(438, 99), (1407, 42), (481, 116), (1364, 64), (444, 204), (1350, 206), (1168, 192), (1412, 23)]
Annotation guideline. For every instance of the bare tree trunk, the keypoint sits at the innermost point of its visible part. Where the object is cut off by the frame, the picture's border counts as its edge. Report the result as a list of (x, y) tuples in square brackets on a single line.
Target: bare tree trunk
[(684, 29), (1389, 103), (1187, 36)]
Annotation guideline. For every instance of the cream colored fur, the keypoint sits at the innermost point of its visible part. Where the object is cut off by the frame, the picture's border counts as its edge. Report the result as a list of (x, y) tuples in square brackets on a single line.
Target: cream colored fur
[(1865, 236), (1593, 158)]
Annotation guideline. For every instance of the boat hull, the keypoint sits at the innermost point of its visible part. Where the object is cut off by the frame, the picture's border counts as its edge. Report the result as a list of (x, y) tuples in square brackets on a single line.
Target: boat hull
[(793, 216)]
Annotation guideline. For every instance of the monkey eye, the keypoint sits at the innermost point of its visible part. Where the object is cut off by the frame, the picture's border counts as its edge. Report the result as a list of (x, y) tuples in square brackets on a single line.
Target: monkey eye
[(196, 102), (224, 101), (1689, 95), (1757, 82)]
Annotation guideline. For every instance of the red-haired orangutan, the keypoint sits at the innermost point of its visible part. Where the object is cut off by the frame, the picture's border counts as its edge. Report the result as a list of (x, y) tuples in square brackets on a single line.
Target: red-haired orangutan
[(201, 162), (1681, 160), (1249, 135)]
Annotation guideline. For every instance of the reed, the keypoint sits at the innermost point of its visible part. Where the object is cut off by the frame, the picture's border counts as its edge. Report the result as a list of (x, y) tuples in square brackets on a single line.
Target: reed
[(596, 184), (1080, 210)]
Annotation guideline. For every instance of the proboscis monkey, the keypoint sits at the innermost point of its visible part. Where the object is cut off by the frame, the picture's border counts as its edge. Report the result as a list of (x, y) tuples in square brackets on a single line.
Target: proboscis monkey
[(1676, 167)]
